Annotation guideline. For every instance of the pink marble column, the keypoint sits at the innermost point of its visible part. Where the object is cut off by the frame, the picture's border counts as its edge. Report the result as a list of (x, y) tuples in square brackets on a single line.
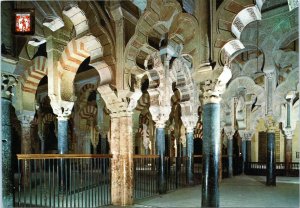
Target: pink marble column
[(25, 120), (122, 161)]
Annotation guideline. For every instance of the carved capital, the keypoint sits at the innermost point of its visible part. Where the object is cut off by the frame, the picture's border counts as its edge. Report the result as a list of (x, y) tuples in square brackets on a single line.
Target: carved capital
[(270, 124), (7, 83), (269, 75), (288, 133), (26, 118), (290, 96), (160, 114), (212, 89), (248, 135), (61, 108), (189, 122), (229, 132)]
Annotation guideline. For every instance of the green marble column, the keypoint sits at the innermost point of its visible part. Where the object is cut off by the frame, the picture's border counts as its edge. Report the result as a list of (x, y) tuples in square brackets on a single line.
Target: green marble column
[(7, 173)]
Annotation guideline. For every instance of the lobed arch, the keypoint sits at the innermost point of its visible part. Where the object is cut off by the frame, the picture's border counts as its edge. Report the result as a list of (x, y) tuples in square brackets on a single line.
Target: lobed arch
[(249, 85), (152, 27)]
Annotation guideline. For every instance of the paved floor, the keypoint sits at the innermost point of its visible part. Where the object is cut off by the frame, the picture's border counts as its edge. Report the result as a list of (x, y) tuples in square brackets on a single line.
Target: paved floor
[(239, 191)]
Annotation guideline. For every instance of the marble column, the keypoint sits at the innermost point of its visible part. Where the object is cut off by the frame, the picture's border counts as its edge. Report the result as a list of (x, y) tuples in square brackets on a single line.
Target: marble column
[(210, 155), (7, 82), (62, 140), (25, 119), (212, 89), (248, 150), (103, 143), (7, 173), (190, 156), (122, 162), (271, 163), (161, 151), (288, 131), (244, 154), (229, 131)]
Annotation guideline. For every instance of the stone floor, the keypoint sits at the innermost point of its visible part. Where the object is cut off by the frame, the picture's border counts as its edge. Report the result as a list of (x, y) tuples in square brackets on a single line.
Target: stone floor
[(239, 191)]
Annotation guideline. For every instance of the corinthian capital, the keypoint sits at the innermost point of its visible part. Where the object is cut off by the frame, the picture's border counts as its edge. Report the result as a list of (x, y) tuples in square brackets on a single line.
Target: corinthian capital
[(7, 83), (270, 124), (61, 108), (26, 117), (189, 122), (229, 131), (288, 133), (214, 88), (270, 74), (248, 134), (160, 114)]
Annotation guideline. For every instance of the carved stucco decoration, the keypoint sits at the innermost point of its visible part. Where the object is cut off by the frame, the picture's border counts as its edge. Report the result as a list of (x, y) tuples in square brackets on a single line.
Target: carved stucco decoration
[(7, 84), (159, 18), (188, 95), (213, 88), (257, 93), (243, 18), (290, 84), (278, 32), (250, 88)]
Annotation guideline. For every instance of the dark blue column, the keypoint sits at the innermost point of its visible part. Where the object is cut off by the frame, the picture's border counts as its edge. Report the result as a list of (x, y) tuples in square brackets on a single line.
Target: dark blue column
[(229, 152), (62, 142), (190, 155), (160, 146), (244, 154), (271, 164), (103, 144), (7, 173), (211, 155), (62, 132), (248, 147)]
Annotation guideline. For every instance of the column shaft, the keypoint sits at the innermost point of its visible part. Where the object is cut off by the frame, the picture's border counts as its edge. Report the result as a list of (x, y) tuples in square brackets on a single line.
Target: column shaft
[(62, 147), (42, 146), (229, 153), (25, 149), (190, 157), (271, 164), (62, 140), (7, 173), (288, 154), (122, 161), (244, 154), (160, 146), (248, 146), (210, 155)]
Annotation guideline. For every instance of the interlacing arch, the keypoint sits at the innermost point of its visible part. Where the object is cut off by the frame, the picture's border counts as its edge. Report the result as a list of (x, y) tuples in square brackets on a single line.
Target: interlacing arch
[(158, 19)]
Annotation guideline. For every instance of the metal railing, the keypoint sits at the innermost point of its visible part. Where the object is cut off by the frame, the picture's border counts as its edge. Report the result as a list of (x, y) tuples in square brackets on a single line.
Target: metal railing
[(282, 169), (67, 180), (145, 175)]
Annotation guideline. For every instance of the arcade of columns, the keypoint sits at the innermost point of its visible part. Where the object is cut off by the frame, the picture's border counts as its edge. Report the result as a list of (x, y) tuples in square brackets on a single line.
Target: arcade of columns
[(155, 84)]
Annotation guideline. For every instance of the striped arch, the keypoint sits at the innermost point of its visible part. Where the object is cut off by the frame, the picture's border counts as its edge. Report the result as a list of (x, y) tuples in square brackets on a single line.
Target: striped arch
[(74, 54), (85, 91), (150, 18), (32, 75), (48, 118), (78, 19), (88, 112)]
